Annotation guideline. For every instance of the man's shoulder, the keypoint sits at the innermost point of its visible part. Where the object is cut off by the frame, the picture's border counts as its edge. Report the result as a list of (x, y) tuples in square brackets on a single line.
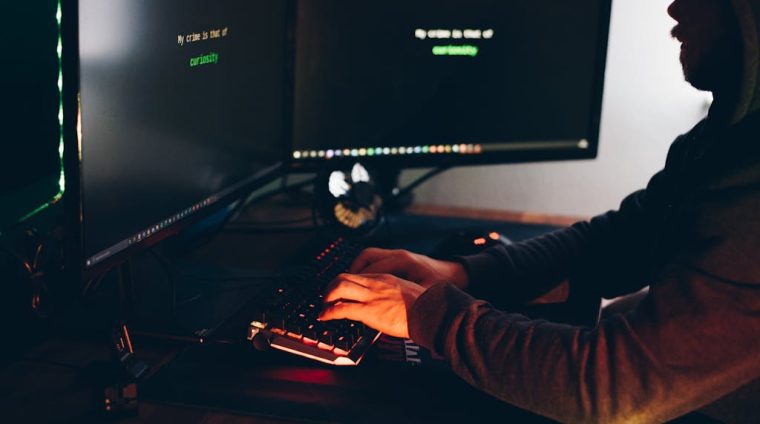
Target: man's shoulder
[(726, 225), (721, 213)]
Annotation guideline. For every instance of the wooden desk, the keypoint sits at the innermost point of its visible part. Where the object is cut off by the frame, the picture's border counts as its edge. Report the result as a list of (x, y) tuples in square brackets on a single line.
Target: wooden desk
[(232, 384), (495, 215), (49, 384)]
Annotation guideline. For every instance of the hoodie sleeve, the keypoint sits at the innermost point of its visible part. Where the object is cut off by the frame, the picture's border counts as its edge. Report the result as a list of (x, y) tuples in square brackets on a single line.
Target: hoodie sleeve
[(590, 252), (690, 342)]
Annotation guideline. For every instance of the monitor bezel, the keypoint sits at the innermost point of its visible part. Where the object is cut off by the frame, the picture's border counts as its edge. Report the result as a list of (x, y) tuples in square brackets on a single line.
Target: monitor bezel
[(74, 249), (491, 158)]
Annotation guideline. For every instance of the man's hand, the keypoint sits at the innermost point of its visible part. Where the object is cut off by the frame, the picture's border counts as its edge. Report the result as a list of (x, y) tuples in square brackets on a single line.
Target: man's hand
[(424, 271), (380, 301)]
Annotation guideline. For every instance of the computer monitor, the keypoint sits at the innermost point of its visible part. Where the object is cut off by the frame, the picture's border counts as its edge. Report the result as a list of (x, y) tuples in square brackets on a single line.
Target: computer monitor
[(30, 166), (172, 109), (429, 82)]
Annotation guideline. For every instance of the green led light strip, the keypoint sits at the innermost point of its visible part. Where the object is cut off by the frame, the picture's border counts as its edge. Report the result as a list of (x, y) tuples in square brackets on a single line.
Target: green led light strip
[(62, 178)]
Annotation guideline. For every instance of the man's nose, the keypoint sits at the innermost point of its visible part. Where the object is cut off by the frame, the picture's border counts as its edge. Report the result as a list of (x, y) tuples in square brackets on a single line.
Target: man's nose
[(674, 9)]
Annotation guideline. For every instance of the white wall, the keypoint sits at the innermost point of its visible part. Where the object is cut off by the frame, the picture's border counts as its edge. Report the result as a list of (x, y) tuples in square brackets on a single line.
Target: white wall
[(646, 105)]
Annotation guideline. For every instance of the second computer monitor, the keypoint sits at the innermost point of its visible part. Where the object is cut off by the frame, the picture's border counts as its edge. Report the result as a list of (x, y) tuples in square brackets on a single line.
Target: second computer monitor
[(473, 81), (182, 109)]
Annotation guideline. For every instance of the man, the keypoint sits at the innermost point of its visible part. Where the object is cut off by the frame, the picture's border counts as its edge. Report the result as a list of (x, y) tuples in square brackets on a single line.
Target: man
[(693, 236)]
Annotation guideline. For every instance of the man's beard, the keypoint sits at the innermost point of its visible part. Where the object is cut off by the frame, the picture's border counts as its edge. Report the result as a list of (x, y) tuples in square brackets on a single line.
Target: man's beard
[(717, 69)]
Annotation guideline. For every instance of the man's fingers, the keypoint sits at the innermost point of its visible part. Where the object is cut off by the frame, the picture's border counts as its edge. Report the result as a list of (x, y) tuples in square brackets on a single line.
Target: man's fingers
[(341, 277), (342, 310), (388, 265), (367, 257), (372, 282), (346, 290)]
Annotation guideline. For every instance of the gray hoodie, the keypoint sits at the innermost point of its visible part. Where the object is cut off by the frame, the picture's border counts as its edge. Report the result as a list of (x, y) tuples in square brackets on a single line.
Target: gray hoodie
[(693, 236)]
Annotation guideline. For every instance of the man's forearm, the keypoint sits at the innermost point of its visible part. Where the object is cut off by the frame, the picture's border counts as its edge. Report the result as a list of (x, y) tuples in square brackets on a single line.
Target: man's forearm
[(642, 367)]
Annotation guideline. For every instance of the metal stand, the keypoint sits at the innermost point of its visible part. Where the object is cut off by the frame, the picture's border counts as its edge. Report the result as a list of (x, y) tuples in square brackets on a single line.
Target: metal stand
[(122, 343), (116, 392)]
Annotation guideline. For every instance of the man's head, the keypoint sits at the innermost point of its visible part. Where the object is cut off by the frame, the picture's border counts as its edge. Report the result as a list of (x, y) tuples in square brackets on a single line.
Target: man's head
[(711, 44)]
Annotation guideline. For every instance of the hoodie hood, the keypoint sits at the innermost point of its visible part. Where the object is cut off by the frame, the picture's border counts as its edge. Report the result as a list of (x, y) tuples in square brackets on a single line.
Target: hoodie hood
[(747, 13)]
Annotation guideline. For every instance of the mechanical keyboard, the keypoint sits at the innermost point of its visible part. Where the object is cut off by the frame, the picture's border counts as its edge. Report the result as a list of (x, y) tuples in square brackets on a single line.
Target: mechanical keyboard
[(287, 319)]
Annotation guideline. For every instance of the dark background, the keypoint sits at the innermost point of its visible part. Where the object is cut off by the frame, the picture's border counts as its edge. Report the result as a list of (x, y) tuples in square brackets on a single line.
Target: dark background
[(29, 135)]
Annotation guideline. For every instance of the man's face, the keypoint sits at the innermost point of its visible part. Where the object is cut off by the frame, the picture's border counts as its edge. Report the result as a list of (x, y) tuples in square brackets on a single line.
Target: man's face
[(710, 41)]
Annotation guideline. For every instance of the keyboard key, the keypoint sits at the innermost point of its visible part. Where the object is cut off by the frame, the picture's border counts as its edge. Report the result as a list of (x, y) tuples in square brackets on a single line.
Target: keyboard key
[(310, 332), (327, 337), (343, 342), (294, 328)]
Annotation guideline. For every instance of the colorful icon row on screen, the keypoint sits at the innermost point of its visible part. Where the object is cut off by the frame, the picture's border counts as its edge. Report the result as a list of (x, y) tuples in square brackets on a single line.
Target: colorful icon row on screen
[(463, 149)]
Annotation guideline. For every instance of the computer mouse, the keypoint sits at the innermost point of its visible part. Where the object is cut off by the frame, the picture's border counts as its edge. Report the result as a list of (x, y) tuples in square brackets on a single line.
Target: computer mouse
[(469, 242)]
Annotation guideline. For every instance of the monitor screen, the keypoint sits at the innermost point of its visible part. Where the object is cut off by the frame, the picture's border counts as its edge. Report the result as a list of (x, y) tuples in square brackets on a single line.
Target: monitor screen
[(478, 80), (30, 167), (182, 104)]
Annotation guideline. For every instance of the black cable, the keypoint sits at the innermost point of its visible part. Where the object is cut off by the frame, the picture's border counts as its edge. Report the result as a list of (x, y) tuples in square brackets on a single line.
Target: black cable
[(25, 264), (268, 227), (244, 203), (272, 227), (258, 224), (34, 270), (93, 284), (401, 193), (170, 275), (283, 189), (37, 281), (190, 300), (32, 274), (275, 230)]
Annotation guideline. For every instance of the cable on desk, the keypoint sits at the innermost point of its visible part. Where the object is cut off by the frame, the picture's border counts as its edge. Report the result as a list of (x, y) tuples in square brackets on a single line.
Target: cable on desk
[(164, 263), (244, 203), (92, 285), (35, 265), (401, 193), (282, 189), (281, 227), (275, 230), (259, 224)]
